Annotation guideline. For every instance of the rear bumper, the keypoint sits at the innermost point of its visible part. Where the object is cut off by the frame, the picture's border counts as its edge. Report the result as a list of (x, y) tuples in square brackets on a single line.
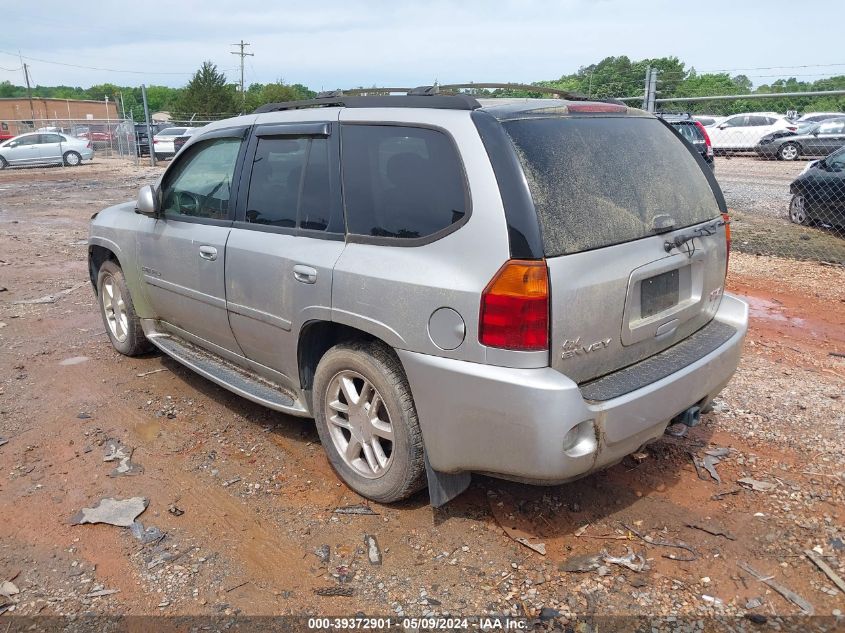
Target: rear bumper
[(513, 422)]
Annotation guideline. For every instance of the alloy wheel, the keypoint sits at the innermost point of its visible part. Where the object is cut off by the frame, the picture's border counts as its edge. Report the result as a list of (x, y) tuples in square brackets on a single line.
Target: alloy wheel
[(797, 210), (359, 424), (114, 308)]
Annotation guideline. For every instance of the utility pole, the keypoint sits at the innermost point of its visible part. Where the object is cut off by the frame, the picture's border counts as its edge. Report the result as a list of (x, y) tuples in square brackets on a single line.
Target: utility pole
[(149, 127), (241, 54), (29, 93), (650, 93)]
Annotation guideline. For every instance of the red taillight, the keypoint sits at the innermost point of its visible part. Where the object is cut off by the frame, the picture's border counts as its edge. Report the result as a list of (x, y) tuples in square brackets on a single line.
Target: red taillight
[(515, 307), (727, 220), (596, 107), (791, 128), (703, 133)]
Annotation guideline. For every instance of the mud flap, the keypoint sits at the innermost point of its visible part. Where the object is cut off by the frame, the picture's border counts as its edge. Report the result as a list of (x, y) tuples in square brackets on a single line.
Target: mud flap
[(443, 487)]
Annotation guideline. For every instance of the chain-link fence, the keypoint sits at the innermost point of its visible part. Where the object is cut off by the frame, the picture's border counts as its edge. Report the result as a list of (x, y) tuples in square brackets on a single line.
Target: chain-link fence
[(49, 140), (782, 172)]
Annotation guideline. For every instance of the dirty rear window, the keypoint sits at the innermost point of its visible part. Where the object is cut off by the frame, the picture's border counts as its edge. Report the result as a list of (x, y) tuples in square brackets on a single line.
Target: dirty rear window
[(600, 181)]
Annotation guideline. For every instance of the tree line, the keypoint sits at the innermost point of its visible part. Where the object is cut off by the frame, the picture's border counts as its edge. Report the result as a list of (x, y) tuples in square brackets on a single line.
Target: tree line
[(209, 95)]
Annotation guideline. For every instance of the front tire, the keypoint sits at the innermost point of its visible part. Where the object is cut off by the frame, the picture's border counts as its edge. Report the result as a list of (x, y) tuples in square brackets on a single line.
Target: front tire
[(789, 151), (367, 421), (122, 323), (72, 159), (798, 210)]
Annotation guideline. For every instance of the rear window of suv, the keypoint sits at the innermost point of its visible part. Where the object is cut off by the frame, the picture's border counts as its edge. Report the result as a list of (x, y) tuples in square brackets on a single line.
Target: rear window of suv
[(600, 181)]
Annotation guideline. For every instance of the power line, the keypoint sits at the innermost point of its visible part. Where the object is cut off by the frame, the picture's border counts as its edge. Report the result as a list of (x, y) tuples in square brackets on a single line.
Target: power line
[(111, 70)]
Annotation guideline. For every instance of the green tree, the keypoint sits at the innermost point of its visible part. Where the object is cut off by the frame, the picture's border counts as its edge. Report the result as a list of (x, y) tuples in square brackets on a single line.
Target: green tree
[(208, 94)]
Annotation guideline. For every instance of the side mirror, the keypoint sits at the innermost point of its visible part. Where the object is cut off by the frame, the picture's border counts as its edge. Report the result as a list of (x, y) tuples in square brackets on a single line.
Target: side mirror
[(147, 202), (722, 126)]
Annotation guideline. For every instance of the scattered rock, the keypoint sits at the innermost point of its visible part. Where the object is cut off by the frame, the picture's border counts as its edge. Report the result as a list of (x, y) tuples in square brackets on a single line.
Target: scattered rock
[(373, 551), (119, 512)]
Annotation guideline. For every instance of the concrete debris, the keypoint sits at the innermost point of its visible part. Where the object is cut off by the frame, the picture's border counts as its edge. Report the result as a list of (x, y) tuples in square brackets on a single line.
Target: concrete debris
[(790, 595), (101, 592), (373, 551), (8, 589), (119, 512), (819, 562), (755, 484), (356, 509), (149, 535), (116, 451), (710, 529), (631, 560)]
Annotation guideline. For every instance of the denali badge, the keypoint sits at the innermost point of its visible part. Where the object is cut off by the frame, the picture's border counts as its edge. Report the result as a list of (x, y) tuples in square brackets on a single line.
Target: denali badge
[(571, 348)]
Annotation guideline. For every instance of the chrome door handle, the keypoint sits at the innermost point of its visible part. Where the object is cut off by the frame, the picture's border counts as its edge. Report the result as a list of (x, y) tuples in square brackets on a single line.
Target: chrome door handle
[(305, 274), (208, 252)]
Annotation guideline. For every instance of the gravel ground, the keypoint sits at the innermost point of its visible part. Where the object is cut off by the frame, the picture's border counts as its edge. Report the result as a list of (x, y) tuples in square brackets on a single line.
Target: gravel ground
[(245, 500)]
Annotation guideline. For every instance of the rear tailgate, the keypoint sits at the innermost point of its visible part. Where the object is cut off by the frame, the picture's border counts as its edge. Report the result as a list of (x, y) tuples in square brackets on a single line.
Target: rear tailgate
[(614, 195)]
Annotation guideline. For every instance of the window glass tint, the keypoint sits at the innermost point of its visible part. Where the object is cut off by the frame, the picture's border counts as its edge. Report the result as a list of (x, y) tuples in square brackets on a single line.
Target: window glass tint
[(600, 181), (31, 139), (737, 121), (199, 185), (289, 184), (689, 132), (52, 138), (400, 181), (831, 127)]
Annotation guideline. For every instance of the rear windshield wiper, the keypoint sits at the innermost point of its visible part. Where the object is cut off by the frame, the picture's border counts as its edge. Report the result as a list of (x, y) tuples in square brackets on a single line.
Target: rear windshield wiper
[(687, 238)]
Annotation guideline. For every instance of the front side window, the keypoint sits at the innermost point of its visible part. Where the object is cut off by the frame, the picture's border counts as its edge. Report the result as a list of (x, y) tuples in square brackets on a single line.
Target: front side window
[(832, 127), (199, 185), (736, 121), (289, 185), (401, 182), (31, 139)]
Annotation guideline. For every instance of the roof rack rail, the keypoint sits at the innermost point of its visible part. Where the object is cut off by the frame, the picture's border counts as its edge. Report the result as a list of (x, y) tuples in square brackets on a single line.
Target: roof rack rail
[(417, 100), (443, 96)]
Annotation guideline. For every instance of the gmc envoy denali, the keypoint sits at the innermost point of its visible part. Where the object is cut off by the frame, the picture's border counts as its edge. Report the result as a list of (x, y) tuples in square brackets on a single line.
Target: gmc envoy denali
[(528, 288)]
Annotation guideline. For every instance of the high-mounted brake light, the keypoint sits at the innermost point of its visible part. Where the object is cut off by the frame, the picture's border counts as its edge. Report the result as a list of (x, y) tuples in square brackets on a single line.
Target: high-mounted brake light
[(515, 307), (596, 107), (727, 220)]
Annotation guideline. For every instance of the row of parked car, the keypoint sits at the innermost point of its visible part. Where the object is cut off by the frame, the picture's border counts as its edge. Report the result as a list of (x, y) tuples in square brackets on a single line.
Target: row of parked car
[(772, 135)]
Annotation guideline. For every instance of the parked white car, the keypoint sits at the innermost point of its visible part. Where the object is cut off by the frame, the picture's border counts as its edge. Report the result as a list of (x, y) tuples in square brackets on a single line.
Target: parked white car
[(45, 148), (163, 142), (817, 117), (744, 131)]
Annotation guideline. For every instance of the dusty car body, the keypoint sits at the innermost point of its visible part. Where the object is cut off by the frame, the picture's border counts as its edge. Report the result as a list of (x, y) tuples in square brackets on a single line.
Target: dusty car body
[(435, 282)]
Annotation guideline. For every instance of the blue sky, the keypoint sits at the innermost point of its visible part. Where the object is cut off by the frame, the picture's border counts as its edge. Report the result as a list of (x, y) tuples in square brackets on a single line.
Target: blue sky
[(334, 44)]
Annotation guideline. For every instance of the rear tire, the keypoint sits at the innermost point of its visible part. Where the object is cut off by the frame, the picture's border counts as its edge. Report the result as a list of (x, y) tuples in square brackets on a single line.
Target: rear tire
[(122, 323), (362, 398), (72, 159), (798, 210), (789, 151)]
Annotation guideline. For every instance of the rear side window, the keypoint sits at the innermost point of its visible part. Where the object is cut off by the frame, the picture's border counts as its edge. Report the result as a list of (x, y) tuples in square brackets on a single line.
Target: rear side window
[(401, 182), (289, 185), (600, 181), (173, 131), (689, 131)]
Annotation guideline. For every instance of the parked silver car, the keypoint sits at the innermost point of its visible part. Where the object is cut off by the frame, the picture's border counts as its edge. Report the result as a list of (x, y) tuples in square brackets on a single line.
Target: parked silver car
[(45, 148), (532, 289)]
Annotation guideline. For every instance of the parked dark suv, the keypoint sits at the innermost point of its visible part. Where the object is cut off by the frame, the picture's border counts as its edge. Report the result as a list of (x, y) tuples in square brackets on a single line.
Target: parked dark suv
[(692, 131), (141, 140)]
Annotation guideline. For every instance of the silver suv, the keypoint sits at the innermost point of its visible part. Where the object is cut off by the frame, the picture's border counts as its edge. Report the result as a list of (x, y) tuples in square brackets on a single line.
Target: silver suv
[(531, 289)]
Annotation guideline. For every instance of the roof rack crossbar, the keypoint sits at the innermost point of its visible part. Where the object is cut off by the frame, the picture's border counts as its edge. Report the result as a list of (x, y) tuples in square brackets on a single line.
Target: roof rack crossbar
[(419, 100)]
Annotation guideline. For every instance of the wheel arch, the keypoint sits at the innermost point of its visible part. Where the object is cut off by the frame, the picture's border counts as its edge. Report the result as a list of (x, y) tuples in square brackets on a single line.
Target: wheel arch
[(98, 254)]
